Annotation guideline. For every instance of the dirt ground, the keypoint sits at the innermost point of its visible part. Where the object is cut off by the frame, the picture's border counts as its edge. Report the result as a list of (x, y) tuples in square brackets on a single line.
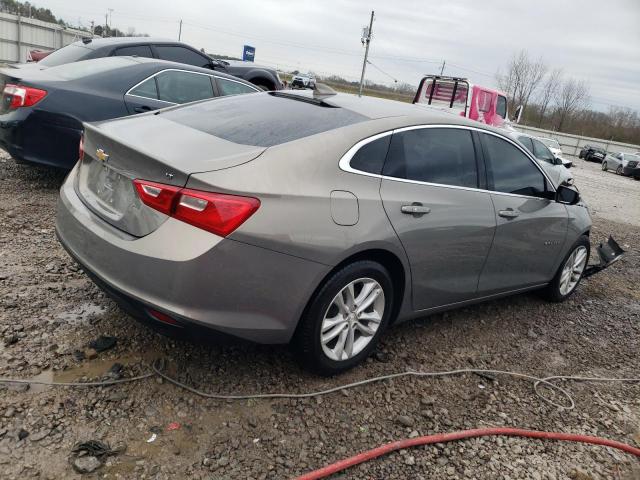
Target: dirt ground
[(49, 310)]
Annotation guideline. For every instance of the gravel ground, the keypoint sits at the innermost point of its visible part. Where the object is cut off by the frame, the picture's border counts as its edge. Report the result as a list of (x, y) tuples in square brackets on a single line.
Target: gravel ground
[(50, 311)]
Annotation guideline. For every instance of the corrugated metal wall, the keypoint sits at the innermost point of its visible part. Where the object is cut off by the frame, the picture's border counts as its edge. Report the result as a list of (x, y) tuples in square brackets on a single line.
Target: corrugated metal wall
[(572, 144), (18, 35)]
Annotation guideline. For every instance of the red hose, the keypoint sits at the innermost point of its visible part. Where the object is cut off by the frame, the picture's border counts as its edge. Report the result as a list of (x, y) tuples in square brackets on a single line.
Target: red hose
[(449, 437)]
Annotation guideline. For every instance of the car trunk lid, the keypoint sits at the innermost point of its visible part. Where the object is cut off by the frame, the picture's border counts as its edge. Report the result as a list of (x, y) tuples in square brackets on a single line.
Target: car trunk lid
[(145, 147)]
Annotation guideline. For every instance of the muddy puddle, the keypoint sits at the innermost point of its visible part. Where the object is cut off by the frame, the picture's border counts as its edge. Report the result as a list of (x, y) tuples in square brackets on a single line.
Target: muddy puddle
[(91, 369)]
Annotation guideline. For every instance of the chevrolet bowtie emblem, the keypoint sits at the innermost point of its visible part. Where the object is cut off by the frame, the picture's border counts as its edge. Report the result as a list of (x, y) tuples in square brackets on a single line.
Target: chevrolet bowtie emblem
[(103, 157)]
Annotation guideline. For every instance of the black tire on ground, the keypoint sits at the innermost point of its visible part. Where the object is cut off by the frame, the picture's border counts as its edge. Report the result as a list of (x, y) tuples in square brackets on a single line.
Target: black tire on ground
[(604, 165), (619, 170), (552, 291), (306, 342)]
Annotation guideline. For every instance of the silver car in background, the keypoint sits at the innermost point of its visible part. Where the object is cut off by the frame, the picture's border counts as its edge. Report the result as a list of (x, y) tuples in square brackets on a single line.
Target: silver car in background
[(556, 149), (282, 217), (621, 163), (552, 165)]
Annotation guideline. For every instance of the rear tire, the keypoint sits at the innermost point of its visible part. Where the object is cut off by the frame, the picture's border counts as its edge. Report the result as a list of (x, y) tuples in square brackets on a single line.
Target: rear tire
[(619, 170), (604, 166), (570, 272), (337, 332)]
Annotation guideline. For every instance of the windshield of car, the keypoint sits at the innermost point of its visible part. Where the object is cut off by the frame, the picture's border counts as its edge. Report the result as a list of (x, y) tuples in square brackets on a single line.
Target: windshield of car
[(550, 142), (72, 71), (68, 54)]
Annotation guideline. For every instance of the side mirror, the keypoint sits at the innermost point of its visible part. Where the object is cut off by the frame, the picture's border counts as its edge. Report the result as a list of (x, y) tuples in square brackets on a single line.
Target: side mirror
[(567, 195), (518, 114), (557, 161)]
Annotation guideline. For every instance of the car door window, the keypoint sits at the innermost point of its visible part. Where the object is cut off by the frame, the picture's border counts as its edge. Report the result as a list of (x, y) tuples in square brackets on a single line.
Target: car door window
[(137, 50), (146, 89), (182, 87), (542, 152), (526, 141), (179, 54), (435, 155), (229, 87), (510, 170)]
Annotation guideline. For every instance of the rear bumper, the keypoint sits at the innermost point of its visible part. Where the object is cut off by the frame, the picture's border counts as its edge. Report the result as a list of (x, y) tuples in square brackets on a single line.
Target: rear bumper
[(193, 276), (631, 171), (39, 137)]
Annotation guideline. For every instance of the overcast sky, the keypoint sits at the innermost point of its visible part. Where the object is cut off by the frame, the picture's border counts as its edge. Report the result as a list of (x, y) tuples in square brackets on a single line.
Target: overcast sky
[(589, 39)]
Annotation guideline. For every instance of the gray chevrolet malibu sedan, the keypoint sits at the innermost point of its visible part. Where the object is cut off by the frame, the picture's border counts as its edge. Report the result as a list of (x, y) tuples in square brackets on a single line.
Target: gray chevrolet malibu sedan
[(283, 217)]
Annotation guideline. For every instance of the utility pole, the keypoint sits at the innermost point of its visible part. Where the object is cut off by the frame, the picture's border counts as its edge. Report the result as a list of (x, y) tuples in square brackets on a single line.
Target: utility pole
[(106, 24), (442, 69), (180, 31), (366, 39)]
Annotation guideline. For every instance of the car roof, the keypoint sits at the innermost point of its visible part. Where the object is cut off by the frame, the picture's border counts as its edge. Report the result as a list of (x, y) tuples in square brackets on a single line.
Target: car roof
[(95, 43), (161, 64)]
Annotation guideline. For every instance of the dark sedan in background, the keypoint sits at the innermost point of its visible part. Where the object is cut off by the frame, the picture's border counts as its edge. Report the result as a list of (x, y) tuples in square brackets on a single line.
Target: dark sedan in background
[(592, 153), (42, 111), (264, 77)]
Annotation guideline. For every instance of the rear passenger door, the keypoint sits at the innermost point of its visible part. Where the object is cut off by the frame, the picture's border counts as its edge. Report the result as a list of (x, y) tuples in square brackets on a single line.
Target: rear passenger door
[(531, 227), (430, 192)]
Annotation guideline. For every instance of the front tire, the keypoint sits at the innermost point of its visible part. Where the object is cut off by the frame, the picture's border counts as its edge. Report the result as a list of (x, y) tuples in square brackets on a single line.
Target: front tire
[(345, 318), (570, 273), (604, 166), (619, 170)]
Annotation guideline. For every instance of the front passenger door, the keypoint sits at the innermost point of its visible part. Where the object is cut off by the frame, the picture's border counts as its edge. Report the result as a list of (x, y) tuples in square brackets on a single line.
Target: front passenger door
[(531, 229)]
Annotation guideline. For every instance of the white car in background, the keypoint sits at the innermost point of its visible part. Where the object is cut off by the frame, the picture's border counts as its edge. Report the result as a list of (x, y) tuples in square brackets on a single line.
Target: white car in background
[(552, 165), (554, 146), (303, 80)]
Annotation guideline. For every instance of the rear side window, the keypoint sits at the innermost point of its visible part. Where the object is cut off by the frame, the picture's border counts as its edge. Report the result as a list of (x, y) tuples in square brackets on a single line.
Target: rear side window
[(137, 50), (370, 157), (183, 87), (182, 55), (501, 106), (229, 87), (435, 155), (146, 89), (512, 171)]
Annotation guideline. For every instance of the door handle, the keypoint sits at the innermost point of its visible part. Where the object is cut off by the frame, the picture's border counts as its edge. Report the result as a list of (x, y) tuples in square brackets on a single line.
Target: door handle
[(508, 213), (142, 109), (415, 209)]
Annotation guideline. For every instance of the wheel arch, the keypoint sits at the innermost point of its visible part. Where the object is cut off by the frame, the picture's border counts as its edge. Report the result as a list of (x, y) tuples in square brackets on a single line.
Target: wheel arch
[(398, 271)]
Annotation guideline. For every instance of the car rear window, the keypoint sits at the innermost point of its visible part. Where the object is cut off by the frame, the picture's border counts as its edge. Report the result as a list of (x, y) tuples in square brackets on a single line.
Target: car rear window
[(263, 119), (70, 53), (73, 71)]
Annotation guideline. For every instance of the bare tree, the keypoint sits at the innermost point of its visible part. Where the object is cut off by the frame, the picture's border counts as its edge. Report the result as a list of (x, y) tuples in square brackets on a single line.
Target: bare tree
[(522, 78), (570, 97), (549, 92)]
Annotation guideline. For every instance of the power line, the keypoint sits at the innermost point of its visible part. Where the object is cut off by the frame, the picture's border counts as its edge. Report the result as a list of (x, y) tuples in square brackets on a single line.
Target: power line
[(382, 71)]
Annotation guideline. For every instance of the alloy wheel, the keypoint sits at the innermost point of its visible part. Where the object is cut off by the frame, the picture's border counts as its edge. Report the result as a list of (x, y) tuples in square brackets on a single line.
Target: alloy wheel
[(572, 270), (352, 319), (604, 165)]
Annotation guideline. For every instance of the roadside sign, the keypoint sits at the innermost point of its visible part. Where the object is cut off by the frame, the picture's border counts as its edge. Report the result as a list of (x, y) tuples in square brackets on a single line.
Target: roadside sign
[(248, 53)]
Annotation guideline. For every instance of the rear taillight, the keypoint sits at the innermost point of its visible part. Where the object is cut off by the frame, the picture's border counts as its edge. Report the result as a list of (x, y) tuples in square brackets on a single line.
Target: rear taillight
[(217, 213), (158, 196), (81, 149), (21, 96)]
